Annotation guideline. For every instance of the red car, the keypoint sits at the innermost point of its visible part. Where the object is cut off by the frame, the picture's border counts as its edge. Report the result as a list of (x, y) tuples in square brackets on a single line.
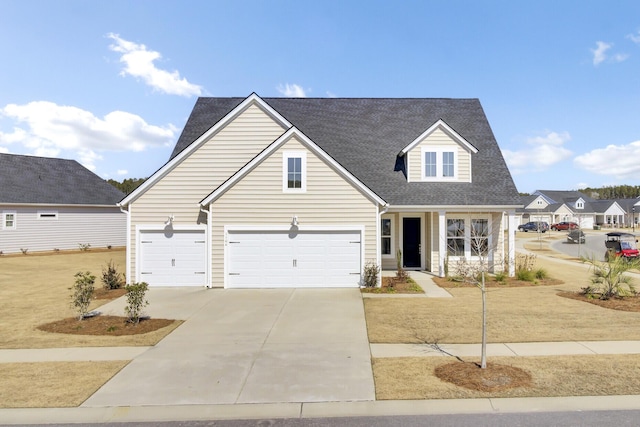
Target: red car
[(561, 226)]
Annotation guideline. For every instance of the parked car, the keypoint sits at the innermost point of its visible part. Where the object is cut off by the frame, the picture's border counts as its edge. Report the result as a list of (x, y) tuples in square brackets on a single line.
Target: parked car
[(621, 244), (539, 226), (564, 225), (576, 236)]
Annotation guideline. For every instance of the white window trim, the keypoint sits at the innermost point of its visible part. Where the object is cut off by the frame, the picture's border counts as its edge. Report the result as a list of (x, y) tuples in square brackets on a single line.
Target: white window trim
[(439, 150), (467, 237), (285, 171), (392, 236), (47, 215), (4, 220)]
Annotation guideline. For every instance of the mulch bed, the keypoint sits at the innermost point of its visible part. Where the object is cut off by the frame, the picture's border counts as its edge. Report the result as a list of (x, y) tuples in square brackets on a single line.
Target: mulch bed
[(391, 285), (631, 303), (102, 293), (494, 377), (509, 282), (104, 325)]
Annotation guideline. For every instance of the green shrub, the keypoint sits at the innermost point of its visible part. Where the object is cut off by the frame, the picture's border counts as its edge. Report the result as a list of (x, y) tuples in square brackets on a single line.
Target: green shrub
[(609, 277), (500, 276), (84, 246), (541, 274), (135, 301), (82, 293), (525, 275), (111, 278), (370, 276)]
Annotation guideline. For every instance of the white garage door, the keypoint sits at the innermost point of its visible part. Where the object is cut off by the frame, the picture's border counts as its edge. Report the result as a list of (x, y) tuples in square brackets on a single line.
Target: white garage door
[(176, 258), (281, 259)]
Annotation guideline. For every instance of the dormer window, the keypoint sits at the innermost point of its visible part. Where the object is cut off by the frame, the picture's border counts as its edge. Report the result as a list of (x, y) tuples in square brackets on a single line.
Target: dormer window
[(580, 204), (439, 163), (539, 202)]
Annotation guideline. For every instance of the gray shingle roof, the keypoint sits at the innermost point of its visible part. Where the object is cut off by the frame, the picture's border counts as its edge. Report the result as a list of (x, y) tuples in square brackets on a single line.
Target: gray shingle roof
[(42, 180), (365, 135)]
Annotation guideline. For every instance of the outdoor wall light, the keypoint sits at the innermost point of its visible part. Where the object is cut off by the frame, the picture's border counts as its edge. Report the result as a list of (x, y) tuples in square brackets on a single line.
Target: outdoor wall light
[(169, 220), (294, 220)]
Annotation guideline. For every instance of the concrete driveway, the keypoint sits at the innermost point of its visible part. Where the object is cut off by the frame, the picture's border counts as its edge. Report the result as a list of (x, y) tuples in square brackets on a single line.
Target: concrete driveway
[(249, 346)]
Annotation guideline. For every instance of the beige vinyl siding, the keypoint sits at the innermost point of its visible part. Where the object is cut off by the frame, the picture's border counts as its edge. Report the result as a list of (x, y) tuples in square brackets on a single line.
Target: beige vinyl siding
[(97, 226), (258, 199), (180, 191), (439, 138)]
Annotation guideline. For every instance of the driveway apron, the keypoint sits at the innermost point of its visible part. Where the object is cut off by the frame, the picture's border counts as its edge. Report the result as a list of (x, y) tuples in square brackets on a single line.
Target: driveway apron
[(251, 346)]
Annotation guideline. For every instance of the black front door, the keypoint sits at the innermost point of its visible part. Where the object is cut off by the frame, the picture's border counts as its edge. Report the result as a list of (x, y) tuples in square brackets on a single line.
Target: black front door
[(411, 242)]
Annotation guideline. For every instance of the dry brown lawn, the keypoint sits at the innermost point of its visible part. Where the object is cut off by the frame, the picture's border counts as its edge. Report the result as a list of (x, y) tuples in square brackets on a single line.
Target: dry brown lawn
[(53, 384), (597, 375), (531, 314), (34, 290)]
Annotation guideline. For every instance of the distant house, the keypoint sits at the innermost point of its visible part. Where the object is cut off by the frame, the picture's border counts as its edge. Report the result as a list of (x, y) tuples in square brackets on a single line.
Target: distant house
[(48, 204), (556, 206), (303, 192)]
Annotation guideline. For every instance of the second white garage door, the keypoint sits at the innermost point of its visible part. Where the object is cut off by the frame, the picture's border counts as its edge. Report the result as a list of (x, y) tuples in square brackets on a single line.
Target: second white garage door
[(281, 259)]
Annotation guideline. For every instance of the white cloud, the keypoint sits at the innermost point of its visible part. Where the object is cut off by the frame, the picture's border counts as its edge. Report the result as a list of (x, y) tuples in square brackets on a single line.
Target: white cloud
[(122, 172), (543, 151), (634, 37), (139, 62), (292, 91), (600, 52), (48, 129), (4, 150), (619, 161)]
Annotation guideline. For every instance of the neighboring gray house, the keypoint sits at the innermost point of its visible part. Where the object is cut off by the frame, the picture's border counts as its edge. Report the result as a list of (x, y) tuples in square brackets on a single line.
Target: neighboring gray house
[(303, 192), (48, 204), (555, 206)]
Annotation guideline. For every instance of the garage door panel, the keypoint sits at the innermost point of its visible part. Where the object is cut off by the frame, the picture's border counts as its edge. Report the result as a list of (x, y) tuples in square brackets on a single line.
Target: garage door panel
[(176, 258), (301, 259)]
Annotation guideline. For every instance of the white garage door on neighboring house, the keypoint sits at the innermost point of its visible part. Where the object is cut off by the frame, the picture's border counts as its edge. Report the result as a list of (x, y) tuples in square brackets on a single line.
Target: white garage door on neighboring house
[(285, 259), (173, 257)]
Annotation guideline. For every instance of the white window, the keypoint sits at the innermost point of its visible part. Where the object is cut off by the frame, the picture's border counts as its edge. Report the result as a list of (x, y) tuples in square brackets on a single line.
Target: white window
[(439, 163), (580, 204), (48, 215), (455, 237), (468, 237), (9, 220), (386, 239), (294, 172)]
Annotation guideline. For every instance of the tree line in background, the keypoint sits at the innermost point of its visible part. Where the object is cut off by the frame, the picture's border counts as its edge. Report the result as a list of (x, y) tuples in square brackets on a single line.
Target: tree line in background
[(609, 192), (613, 192), (127, 185)]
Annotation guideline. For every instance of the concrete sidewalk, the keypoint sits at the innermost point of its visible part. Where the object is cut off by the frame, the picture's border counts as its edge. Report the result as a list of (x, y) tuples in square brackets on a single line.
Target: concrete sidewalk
[(523, 349), (507, 349)]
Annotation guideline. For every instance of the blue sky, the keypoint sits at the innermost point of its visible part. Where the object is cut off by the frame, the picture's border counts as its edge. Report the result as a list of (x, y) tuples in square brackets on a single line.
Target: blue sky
[(111, 83)]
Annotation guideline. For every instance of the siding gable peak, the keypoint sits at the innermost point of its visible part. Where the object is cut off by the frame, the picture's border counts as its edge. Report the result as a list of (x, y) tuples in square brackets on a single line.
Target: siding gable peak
[(440, 125), (251, 100), (272, 148)]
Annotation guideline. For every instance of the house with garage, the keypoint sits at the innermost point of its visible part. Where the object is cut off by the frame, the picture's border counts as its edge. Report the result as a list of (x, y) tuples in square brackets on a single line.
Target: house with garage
[(303, 192), (554, 206), (51, 204)]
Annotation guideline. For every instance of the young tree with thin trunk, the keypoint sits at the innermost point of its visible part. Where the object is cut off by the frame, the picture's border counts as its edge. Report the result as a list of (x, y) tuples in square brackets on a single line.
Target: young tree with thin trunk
[(473, 270)]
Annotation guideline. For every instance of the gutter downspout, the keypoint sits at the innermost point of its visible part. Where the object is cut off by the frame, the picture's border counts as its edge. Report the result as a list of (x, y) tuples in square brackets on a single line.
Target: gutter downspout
[(207, 242), (128, 245)]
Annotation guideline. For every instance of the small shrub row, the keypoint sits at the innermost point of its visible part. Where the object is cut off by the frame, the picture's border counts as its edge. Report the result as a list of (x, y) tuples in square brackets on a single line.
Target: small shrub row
[(83, 288)]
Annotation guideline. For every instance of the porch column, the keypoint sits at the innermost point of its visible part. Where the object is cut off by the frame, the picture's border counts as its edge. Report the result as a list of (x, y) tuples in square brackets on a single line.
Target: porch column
[(442, 242), (512, 243)]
